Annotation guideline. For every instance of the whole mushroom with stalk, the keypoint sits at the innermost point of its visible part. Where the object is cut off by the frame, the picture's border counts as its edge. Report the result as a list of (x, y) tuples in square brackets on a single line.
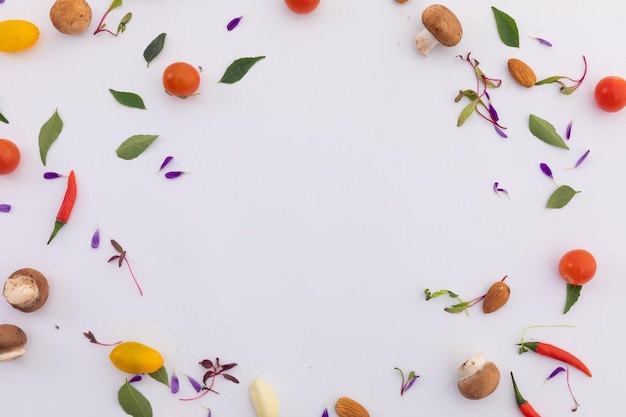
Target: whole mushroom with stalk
[(479, 378), (26, 290), (441, 26)]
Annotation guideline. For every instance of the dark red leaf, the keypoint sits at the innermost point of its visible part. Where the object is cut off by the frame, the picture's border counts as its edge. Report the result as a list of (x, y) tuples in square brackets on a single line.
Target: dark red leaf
[(231, 378)]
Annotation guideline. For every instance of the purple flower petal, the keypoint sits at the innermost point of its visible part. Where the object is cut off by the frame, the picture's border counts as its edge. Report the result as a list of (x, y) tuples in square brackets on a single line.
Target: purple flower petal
[(95, 239), (325, 413), (136, 378), (5, 208), (544, 42), (174, 384), (166, 161), (233, 23), (546, 170), (500, 131), (195, 384), (498, 190), (173, 174), (568, 131), (581, 159), (51, 175), (556, 372), (411, 382), (493, 113)]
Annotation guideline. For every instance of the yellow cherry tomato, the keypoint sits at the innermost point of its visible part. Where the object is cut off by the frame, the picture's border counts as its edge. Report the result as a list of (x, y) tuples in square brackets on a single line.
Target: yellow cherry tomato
[(16, 35), (136, 358)]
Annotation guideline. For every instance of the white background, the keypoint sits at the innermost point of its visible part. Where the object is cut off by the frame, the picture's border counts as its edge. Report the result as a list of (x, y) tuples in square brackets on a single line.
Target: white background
[(327, 190)]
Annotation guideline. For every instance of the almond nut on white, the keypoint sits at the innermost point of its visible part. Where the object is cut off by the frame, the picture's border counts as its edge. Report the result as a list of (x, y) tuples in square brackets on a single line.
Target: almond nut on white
[(522, 73), (26, 289), (264, 399), (347, 407), (496, 297), (12, 341), (479, 378)]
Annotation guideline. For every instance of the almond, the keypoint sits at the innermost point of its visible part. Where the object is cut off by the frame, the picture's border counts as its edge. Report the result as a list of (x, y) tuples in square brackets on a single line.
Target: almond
[(347, 407), (496, 297), (522, 73)]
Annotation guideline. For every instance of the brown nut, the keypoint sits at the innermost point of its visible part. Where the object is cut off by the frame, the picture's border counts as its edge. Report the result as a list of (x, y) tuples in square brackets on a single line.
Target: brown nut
[(522, 73), (12, 341), (497, 296), (347, 407), (26, 289), (479, 378), (70, 16)]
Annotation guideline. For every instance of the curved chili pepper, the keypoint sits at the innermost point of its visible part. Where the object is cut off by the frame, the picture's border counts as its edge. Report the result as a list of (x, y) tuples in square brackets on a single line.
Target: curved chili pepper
[(524, 406), (66, 206), (551, 351)]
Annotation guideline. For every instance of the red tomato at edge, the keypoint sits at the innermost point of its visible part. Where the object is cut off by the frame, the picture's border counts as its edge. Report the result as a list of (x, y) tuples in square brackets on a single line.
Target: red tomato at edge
[(302, 6), (610, 94), (9, 156)]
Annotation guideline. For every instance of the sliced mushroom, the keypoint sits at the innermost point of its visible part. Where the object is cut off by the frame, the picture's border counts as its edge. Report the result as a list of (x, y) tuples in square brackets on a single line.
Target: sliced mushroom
[(26, 289), (479, 378), (12, 341), (441, 26)]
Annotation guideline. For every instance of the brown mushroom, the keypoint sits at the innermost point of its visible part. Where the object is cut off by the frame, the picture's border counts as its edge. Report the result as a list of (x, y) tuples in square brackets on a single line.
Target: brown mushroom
[(441, 26), (12, 341), (479, 378), (26, 289)]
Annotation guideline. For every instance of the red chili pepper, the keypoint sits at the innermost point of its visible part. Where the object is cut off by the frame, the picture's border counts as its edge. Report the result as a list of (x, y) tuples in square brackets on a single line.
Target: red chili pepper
[(524, 406), (551, 351), (66, 206)]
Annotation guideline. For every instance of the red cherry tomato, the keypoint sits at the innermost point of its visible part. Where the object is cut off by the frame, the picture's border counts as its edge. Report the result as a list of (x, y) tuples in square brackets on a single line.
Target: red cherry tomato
[(9, 156), (577, 267), (610, 94), (181, 79), (302, 6)]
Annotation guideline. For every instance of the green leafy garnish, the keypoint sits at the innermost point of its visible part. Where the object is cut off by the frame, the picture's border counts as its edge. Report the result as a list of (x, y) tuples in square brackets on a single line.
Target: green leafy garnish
[(507, 28), (133, 402), (573, 292), (161, 376), (430, 295), (545, 131), (558, 79), (122, 25), (49, 132), (238, 69), (128, 99), (561, 196), (154, 48), (132, 147), (3, 119)]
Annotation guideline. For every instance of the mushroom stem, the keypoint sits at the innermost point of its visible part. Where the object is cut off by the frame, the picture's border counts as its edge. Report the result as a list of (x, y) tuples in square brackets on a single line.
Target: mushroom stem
[(12, 354), (425, 41)]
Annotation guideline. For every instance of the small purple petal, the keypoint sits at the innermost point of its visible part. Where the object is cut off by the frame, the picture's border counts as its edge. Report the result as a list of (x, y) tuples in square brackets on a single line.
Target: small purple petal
[(174, 384), (166, 161), (568, 131), (209, 412), (5, 208), (411, 382), (500, 131), (544, 42), (487, 95), (195, 384), (136, 378), (498, 190), (51, 175), (173, 174), (546, 170), (493, 113), (95, 239), (556, 372), (581, 159), (325, 413), (233, 23)]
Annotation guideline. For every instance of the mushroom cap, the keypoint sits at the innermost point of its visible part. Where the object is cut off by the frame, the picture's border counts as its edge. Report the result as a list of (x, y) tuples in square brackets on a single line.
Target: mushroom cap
[(443, 24), (26, 289), (479, 378), (12, 341)]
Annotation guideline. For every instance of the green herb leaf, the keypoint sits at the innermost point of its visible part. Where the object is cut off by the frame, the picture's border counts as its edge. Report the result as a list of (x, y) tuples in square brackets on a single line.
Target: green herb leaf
[(573, 292), (458, 308), (545, 131), (49, 132), (466, 112), (430, 295), (161, 376), (3, 119), (132, 147), (122, 26), (128, 99), (154, 49), (115, 4), (238, 69), (507, 28), (561, 196), (133, 402)]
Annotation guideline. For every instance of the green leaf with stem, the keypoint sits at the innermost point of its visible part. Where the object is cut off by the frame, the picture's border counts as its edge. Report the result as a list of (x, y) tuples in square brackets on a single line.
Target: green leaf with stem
[(3, 119), (467, 112), (507, 28), (128, 99), (573, 292), (154, 48), (134, 146), (561, 196), (49, 133), (161, 376), (430, 295), (545, 131), (238, 69), (133, 402)]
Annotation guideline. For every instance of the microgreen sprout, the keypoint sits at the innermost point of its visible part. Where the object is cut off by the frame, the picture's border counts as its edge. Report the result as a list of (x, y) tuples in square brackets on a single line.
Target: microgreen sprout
[(122, 25), (408, 381), (213, 370), (52, 175), (122, 258), (485, 109), (461, 306), (559, 370), (92, 339), (565, 89), (500, 191), (5, 208), (522, 348)]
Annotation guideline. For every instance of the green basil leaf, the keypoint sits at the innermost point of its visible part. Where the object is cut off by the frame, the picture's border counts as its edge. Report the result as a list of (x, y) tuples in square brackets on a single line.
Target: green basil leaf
[(154, 49), (573, 292), (132, 147), (545, 131), (133, 402), (49, 132), (3, 119), (238, 69), (561, 196), (466, 112), (161, 376), (507, 28), (128, 99)]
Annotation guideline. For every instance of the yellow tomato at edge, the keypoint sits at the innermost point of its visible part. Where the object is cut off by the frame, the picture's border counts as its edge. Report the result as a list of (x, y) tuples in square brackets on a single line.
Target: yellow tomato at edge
[(17, 35), (136, 358)]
